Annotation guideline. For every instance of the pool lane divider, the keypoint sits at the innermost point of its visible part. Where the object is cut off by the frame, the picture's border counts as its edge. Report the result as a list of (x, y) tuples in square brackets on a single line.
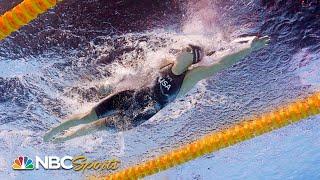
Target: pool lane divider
[(215, 141), (22, 14)]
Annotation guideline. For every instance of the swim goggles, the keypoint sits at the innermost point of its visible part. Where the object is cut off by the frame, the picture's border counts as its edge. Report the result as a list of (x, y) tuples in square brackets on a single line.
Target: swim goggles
[(196, 51)]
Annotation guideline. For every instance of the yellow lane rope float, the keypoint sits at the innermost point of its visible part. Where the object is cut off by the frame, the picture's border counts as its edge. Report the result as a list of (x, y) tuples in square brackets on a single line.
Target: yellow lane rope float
[(22, 14), (247, 129)]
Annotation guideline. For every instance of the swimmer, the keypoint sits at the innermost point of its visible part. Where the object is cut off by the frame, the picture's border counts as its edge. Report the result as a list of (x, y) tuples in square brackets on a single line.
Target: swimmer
[(129, 108)]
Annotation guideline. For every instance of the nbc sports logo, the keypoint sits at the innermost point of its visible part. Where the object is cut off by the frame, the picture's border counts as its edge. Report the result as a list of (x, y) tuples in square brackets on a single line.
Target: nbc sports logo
[(78, 163), (22, 163), (49, 162)]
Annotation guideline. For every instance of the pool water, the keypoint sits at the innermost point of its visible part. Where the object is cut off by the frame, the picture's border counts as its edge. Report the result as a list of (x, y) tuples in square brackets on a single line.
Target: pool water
[(53, 67)]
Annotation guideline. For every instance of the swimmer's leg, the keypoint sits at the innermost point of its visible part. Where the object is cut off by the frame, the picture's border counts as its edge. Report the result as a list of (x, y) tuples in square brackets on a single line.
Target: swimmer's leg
[(106, 107), (100, 125), (87, 129), (74, 121)]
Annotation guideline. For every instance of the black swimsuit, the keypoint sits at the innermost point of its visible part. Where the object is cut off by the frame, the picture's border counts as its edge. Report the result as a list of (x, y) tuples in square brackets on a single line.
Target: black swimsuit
[(168, 85), (131, 108)]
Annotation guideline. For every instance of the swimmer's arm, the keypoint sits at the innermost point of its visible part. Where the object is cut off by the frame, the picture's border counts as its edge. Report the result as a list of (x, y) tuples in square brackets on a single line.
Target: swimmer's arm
[(241, 47), (165, 62), (202, 72), (198, 73)]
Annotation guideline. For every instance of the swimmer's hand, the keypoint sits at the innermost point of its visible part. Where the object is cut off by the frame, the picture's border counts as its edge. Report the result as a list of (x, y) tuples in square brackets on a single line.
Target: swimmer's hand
[(253, 42), (259, 42)]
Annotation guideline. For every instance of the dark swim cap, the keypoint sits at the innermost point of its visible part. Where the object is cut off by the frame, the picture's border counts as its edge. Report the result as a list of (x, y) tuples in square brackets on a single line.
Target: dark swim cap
[(196, 51)]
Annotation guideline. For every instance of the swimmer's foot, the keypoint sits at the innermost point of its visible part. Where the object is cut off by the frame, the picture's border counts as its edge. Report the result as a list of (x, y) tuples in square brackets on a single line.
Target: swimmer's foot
[(54, 131)]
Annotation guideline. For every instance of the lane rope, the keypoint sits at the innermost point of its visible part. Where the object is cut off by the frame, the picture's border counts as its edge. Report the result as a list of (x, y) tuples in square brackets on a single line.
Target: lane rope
[(22, 14), (247, 129)]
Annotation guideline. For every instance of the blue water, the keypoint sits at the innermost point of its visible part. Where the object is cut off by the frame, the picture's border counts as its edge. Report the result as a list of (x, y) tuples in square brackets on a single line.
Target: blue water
[(289, 153), (53, 67)]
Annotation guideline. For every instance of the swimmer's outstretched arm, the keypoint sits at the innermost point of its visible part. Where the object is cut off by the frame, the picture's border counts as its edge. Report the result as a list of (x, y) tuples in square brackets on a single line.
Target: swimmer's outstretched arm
[(243, 47)]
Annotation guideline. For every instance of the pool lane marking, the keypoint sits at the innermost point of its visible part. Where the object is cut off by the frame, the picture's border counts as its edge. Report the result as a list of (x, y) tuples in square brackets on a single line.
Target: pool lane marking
[(246, 129), (22, 14)]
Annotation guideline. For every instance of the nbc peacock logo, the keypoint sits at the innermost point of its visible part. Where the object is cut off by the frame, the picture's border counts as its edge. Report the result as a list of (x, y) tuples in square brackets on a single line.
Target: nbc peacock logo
[(22, 163)]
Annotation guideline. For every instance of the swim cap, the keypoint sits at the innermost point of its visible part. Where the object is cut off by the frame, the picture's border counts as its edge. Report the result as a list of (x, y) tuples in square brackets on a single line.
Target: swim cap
[(188, 56), (196, 51)]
